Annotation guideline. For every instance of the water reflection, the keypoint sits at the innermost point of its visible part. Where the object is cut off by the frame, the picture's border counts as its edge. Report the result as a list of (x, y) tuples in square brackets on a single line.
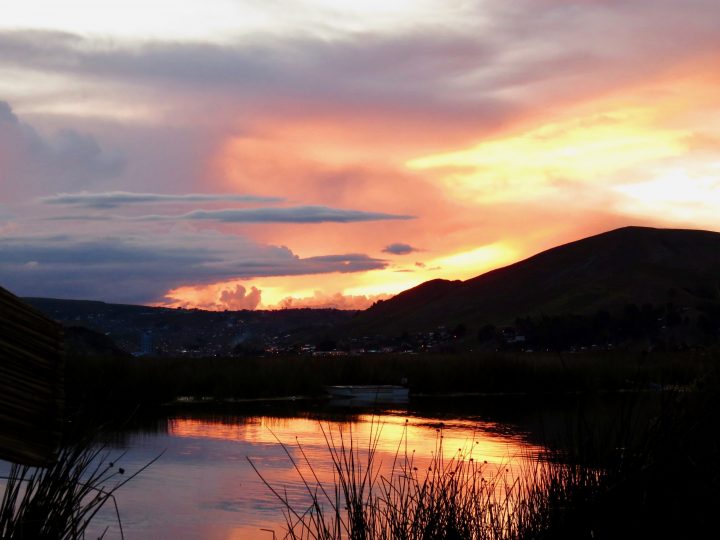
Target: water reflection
[(203, 487), (420, 434)]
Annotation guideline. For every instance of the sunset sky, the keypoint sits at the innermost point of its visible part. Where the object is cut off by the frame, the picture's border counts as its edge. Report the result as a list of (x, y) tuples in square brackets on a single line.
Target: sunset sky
[(241, 154)]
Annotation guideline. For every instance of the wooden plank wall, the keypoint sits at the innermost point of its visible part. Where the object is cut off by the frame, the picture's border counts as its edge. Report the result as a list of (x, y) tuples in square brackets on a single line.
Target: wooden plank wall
[(31, 383)]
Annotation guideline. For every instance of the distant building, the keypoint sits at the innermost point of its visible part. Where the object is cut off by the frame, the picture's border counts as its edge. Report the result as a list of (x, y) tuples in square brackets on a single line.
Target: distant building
[(146, 344)]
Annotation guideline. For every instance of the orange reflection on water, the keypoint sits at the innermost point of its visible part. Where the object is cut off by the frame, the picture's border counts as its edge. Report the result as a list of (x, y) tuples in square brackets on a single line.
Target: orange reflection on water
[(423, 437), (256, 430), (288, 452)]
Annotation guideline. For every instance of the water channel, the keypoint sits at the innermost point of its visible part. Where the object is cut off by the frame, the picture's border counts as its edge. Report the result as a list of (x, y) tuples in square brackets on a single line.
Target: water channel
[(204, 487)]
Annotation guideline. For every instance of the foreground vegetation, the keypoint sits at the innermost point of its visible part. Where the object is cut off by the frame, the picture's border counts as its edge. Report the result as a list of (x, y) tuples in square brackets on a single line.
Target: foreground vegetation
[(59, 502), (629, 479), (441, 499)]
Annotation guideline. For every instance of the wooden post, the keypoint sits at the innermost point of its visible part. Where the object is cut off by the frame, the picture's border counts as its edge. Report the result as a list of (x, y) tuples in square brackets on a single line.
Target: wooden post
[(31, 383)]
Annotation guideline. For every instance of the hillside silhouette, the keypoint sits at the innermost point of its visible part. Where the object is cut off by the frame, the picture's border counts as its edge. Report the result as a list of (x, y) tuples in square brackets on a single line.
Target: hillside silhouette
[(627, 266)]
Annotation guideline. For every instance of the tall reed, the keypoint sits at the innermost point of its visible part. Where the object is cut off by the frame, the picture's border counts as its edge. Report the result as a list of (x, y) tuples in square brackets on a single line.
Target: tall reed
[(443, 498), (60, 501)]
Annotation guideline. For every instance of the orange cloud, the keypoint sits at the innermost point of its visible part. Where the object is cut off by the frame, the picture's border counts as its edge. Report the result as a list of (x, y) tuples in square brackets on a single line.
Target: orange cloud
[(240, 298), (339, 291), (235, 296), (321, 300), (550, 176)]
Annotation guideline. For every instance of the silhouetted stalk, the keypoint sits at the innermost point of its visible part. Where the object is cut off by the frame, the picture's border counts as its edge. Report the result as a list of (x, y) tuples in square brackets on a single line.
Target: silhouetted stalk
[(450, 498), (60, 501)]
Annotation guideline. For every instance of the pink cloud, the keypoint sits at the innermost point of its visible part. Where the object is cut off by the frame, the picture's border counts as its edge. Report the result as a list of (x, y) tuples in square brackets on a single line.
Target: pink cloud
[(239, 298), (332, 301)]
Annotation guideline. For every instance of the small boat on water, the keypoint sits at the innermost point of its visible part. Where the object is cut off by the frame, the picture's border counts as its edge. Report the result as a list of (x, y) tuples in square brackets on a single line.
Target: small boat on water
[(381, 393)]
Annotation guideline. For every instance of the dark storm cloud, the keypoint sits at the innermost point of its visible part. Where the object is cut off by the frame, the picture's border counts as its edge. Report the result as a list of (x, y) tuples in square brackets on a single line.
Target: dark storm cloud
[(133, 269), (34, 162), (352, 262), (290, 214), (259, 62), (399, 249), (412, 72), (113, 199)]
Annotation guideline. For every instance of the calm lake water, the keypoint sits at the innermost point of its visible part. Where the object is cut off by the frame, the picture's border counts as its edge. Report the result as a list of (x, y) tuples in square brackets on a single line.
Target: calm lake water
[(204, 487)]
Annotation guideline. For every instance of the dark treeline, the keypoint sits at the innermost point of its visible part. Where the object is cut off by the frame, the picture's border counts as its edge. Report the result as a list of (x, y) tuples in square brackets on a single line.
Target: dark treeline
[(657, 327), (128, 382)]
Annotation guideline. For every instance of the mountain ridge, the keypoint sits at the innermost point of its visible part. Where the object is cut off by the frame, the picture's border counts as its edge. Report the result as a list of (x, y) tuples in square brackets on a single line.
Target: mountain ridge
[(605, 271)]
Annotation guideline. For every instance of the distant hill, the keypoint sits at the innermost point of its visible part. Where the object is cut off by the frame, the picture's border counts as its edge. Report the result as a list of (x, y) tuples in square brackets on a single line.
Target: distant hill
[(98, 328), (635, 284), (80, 341), (631, 265)]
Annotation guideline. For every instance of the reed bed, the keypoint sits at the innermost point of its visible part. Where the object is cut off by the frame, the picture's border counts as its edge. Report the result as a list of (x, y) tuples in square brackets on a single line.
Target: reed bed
[(440, 498), (102, 383), (60, 501)]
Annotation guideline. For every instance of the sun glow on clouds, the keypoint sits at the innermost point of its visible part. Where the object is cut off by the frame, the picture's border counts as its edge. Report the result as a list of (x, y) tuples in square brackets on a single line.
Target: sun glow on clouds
[(692, 197), (270, 293), (627, 151), (353, 291), (461, 265), (527, 165)]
